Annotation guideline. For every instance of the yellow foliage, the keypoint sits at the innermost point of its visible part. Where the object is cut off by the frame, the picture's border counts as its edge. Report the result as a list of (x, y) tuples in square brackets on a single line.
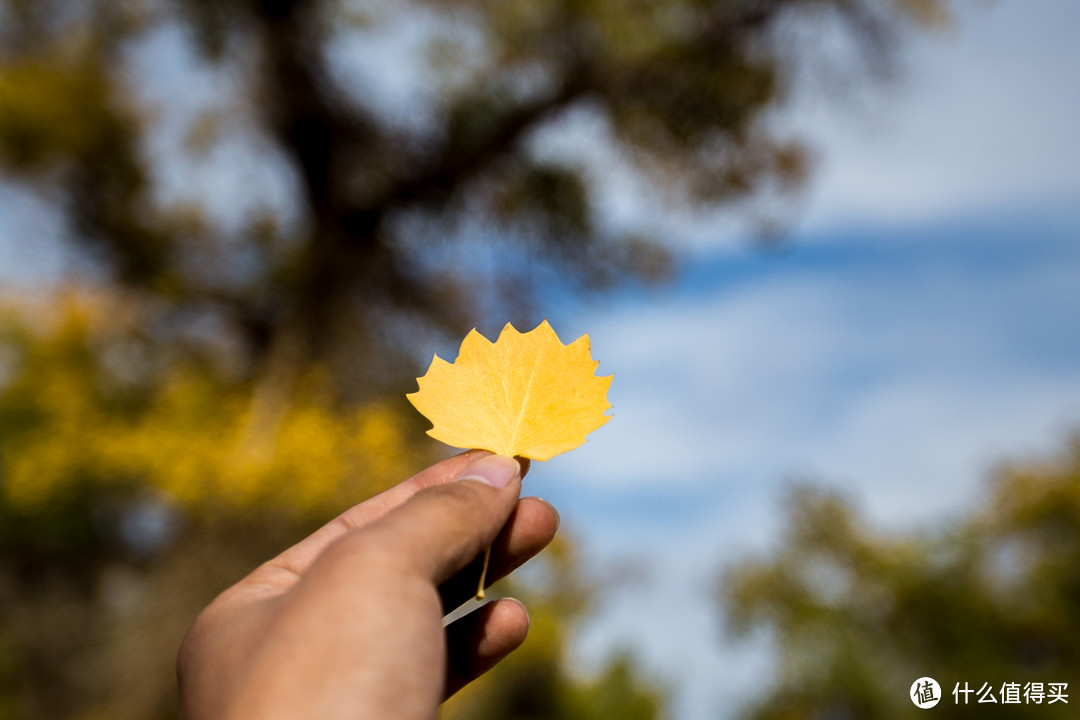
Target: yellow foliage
[(66, 420), (47, 111)]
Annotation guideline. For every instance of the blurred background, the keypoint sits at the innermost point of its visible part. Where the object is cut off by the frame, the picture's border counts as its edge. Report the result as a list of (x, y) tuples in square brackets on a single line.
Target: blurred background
[(830, 250)]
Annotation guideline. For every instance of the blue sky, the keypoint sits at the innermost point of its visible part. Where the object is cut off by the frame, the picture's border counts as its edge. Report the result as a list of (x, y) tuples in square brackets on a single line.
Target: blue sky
[(899, 372), (918, 327)]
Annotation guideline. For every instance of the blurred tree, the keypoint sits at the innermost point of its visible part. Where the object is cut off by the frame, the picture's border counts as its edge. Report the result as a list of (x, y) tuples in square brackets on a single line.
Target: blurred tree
[(858, 616), (391, 207), (135, 484), (264, 234)]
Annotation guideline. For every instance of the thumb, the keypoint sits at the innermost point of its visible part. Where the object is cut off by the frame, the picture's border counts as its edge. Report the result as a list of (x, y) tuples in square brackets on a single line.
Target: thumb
[(442, 529)]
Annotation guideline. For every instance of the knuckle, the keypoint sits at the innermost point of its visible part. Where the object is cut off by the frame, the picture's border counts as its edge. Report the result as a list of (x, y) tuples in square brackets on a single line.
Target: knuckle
[(192, 646)]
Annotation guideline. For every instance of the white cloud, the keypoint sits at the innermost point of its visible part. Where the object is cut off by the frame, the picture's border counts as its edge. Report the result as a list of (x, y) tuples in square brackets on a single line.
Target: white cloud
[(984, 116), (790, 371)]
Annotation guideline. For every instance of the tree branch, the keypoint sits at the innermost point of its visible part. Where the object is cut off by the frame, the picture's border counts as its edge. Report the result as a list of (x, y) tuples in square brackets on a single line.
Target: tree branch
[(458, 163)]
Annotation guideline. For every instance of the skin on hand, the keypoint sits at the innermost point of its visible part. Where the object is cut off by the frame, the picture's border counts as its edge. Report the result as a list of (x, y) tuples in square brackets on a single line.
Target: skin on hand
[(348, 622)]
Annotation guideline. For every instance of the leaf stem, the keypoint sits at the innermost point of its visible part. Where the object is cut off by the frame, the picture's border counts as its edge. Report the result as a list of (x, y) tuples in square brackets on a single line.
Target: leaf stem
[(483, 574)]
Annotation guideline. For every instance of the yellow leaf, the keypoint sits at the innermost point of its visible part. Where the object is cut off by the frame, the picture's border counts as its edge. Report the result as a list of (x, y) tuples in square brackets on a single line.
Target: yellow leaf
[(524, 395)]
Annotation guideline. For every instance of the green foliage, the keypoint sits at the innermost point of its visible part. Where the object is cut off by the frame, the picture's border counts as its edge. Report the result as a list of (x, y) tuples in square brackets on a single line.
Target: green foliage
[(857, 615)]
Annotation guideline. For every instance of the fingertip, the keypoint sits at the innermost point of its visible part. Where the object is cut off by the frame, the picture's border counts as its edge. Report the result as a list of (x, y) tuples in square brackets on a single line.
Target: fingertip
[(554, 514), (506, 626), (478, 641), (516, 615)]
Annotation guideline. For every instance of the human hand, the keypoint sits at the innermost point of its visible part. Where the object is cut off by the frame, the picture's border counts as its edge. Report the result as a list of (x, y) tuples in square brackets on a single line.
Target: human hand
[(348, 622)]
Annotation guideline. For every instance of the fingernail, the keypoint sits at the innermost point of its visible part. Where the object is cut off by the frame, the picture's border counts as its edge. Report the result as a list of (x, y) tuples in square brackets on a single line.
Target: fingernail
[(494, 470)]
